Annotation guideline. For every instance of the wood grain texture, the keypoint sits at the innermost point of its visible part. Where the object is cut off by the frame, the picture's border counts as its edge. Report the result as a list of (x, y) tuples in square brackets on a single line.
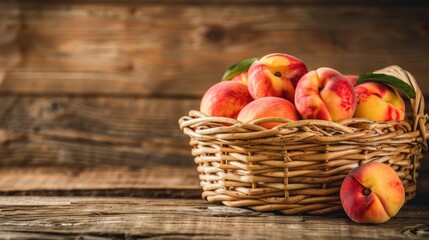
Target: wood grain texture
[(182, 49), (155, 176), (10, 24), (136, 218), (100, 131)]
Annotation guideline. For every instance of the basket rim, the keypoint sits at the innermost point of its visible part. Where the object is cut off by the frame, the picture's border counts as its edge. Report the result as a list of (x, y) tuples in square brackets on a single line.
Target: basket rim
[(197, 125)]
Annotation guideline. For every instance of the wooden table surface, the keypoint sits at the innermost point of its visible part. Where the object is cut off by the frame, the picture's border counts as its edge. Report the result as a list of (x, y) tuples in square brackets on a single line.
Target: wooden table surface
[(163, 202), (91, 92)]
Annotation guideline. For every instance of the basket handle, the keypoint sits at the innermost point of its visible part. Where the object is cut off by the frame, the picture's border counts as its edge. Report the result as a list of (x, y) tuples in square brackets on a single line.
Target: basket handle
[(418, 103)]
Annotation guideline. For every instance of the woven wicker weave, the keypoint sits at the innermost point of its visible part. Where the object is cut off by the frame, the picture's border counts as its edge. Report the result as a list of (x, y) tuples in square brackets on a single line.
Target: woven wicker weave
[(298, 167)]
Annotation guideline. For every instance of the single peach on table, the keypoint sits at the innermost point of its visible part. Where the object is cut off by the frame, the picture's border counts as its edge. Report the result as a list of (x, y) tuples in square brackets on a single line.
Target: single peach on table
[(372, 193), (275, 75), (268, 107), (378, 102), (325, 94), (225, 99)]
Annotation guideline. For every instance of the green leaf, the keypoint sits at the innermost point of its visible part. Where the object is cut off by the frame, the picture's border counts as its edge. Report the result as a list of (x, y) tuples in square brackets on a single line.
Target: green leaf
[(389, 80), (237, 69)]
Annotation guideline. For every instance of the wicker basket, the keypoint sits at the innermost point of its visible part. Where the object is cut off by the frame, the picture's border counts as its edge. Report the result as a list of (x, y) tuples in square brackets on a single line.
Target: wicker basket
[(298, 167)]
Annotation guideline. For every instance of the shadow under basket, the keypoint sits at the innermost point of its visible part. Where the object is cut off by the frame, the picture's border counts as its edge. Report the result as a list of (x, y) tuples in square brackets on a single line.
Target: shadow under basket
[(299, 166)]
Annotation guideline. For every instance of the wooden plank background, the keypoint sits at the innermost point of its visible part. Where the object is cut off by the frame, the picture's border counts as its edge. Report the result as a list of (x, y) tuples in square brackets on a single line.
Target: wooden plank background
[(97, 87), (182, 49)]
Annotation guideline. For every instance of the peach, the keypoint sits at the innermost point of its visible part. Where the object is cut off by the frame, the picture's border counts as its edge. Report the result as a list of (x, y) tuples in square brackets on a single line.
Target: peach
[(325, 94), (268, 107), (372, 193), (276, 75), (225, 99), (378, 102), (242, 77), (352, 78)]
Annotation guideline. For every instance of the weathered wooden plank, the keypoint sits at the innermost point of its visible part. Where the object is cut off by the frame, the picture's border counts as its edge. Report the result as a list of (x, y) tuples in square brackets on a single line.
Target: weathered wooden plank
[(155, 49), (93, 131), (133, 218), (9, 27), (151, 177)]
